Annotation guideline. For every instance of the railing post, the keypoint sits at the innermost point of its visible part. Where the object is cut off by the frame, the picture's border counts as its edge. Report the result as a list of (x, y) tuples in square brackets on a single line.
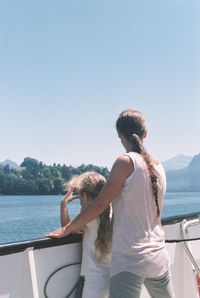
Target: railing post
[(33, 275)]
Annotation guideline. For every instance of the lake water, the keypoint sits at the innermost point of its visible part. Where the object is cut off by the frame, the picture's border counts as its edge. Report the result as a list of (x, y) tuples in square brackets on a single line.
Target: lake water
[(31, 217)]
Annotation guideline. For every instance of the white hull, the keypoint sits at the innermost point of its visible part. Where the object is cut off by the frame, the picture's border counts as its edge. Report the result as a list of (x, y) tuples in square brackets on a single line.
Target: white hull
[(26, 268)]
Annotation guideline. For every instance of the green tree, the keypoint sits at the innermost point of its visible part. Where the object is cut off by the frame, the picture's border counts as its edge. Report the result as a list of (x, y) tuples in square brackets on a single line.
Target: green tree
[(32, 166), (58, 186)]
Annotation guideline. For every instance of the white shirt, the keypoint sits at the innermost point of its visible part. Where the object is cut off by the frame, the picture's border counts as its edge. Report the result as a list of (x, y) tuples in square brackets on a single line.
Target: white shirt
[(138, 244), (91, 264)]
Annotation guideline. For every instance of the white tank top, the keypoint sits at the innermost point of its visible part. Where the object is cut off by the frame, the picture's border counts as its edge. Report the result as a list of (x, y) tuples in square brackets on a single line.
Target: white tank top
[(91, 264), (138, 244)]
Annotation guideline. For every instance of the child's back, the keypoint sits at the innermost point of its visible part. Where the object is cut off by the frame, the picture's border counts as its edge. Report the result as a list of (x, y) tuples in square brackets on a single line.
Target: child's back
[(93, 268)]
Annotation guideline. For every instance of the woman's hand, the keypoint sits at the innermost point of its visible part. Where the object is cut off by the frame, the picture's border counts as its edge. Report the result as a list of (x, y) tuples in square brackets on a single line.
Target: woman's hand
[(59, 233)]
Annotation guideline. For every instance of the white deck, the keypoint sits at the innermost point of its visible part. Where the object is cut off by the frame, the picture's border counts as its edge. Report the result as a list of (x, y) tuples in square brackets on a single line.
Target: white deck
[(24, 274)]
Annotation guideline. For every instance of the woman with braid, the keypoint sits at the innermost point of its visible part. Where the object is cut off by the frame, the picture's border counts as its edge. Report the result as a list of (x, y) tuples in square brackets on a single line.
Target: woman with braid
[(136, 188), (97, 234)]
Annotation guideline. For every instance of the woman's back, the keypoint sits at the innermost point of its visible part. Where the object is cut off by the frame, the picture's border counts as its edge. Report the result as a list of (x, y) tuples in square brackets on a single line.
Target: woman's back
[(138, 238)]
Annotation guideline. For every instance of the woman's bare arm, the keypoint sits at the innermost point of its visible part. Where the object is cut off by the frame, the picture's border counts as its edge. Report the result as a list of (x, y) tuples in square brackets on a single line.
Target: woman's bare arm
[(121, 169)]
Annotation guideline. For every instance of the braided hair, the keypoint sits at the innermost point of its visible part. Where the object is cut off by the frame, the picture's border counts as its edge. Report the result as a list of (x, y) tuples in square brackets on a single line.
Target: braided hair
[(131, 124)]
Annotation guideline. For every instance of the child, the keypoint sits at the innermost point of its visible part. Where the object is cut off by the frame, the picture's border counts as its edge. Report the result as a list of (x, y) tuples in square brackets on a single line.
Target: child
[(96, 234)]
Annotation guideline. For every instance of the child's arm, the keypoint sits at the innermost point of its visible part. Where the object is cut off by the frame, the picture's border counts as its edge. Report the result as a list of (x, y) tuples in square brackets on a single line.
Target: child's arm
[(64, 215)]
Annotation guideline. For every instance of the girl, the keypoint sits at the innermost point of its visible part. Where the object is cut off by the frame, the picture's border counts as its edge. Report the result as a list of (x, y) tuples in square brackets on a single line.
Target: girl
[(136, 187), (96, 234)]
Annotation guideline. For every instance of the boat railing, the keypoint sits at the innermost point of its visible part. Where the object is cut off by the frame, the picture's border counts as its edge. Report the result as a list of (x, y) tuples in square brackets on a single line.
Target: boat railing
[(185, 225), (10, 248), (179, 218), (44, 269)]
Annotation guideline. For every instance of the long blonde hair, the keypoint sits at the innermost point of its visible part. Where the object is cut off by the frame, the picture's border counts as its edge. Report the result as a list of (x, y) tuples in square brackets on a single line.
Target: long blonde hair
[(91, 183)]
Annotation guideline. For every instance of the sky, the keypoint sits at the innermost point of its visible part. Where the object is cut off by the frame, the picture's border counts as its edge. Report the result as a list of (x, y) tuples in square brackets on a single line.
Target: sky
[(68, 68)]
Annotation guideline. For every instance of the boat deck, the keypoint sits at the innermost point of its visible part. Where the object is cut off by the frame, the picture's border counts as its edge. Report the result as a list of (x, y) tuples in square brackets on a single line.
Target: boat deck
[(51, 267)]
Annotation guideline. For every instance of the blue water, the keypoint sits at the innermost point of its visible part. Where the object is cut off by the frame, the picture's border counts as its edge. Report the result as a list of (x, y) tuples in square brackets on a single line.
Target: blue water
[(31, 217)]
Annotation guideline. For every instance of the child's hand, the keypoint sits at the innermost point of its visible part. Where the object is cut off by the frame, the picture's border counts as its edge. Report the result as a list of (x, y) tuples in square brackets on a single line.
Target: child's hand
[(69, 197)]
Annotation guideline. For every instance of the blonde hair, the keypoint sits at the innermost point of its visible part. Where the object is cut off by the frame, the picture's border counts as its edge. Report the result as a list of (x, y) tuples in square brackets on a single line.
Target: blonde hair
[(91, 183), (131, 124)]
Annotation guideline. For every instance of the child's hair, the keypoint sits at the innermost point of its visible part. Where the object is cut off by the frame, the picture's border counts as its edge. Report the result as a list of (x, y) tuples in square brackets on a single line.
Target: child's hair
[(131, 124), (91, 183)]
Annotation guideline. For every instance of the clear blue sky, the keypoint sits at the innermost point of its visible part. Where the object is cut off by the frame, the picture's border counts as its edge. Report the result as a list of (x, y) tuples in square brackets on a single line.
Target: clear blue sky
[(68, 68)]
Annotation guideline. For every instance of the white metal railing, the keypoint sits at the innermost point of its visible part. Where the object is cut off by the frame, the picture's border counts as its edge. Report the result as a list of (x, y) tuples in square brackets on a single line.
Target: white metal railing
[(184, 233)]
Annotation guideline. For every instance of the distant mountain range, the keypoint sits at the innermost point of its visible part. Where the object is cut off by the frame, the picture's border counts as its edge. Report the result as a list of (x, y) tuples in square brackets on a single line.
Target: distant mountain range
[(176, 163), (12, 164), (183, 173), (186, 179)]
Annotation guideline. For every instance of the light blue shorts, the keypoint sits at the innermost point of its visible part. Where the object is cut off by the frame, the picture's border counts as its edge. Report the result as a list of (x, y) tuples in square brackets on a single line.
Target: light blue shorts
[(96, 286), (128, 285)]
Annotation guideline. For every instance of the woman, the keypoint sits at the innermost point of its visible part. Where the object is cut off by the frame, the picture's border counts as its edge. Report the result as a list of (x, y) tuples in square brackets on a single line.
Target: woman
[(136, 187)]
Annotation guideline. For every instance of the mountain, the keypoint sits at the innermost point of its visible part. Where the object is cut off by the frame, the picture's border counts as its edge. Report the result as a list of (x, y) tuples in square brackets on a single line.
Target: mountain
[(186, 179), (178, 162), (12, 164)]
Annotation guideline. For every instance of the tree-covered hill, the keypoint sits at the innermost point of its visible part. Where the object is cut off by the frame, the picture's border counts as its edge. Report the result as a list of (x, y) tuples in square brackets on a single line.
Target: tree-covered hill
[(33, 177)]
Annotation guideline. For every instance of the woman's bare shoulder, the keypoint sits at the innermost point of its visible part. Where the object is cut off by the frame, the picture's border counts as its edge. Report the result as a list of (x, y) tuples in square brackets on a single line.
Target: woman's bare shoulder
[(124, 160), (123, 164)]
